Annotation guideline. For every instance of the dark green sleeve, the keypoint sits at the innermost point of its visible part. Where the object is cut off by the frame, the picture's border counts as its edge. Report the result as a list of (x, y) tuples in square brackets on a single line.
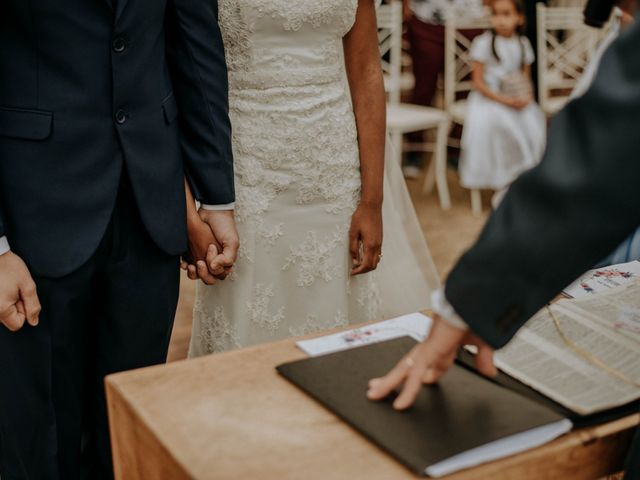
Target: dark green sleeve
[(562, 217)]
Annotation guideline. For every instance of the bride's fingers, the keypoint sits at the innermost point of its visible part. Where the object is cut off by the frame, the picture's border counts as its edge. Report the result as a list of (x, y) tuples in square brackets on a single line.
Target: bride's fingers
[(369, 259), (192, 272), (354, 247)]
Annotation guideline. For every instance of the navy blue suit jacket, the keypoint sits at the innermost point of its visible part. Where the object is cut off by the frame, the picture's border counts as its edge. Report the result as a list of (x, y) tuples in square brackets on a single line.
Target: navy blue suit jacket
[(89, 88)]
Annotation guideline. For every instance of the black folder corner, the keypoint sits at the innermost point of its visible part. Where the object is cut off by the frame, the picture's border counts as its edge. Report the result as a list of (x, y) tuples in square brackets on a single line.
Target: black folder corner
[(462, 412)]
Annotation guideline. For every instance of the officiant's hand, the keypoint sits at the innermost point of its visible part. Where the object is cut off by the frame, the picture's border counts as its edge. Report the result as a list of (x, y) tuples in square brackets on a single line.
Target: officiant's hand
[(18, 297), (365, 238), (223, 226), (428, 361)]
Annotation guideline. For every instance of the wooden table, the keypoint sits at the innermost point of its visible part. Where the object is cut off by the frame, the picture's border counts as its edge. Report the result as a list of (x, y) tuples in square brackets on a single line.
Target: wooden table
[(231, 416)]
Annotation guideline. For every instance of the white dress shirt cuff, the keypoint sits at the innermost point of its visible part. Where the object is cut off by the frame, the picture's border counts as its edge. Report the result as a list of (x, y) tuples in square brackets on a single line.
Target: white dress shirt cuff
[(219, 208), (445, 310), (4, 245)]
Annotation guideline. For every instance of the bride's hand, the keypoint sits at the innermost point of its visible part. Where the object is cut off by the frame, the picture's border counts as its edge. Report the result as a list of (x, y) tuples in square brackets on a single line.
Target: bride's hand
[(365, 238)]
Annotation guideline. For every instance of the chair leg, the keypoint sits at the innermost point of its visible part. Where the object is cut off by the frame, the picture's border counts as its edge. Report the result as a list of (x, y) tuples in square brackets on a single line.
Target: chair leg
[(476, 203), (441, 165), (430, 178)]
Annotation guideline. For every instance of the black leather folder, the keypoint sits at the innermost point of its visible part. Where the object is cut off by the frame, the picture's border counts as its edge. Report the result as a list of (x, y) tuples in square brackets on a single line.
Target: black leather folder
[(451, 423)]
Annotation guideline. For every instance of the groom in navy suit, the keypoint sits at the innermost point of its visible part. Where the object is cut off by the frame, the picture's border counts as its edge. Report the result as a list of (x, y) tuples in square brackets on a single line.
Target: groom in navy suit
[(106, 106)]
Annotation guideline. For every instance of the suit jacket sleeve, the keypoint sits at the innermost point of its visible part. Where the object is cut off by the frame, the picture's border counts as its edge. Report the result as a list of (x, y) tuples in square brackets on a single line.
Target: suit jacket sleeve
[(196, 59), (565, 215)]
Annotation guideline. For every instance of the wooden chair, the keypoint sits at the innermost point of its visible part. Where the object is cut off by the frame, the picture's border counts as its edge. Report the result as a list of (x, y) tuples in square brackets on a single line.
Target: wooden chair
[(404, 118), (565, 46), (457, 72)]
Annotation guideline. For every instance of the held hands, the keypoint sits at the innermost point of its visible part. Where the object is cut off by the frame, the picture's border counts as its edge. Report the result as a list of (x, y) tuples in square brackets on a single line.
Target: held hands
[(18, 297), (213, 245), (365, 238), (517, 103), (428, 361)]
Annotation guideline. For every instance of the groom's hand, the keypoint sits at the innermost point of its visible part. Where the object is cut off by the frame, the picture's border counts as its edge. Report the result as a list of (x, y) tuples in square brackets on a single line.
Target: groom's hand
[(18, 296), (202, 245), (223, 226)]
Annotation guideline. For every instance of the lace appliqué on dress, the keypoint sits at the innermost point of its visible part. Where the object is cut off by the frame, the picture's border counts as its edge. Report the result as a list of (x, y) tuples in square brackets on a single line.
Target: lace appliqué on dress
[(369, 297), (313, 325), (259, 306), (317, 259), (215, 333)]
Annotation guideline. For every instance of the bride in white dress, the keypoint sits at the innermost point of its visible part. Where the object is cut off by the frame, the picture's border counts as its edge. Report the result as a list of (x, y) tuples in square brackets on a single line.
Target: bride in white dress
[(309, 180)]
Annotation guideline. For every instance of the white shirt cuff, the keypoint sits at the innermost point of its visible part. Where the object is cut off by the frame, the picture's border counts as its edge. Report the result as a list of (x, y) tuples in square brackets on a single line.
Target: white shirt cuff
[(445, 310), (4, 245), (219, 208)]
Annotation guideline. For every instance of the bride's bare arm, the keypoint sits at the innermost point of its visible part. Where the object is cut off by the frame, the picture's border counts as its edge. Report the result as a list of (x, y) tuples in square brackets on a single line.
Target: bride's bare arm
[(367, 91)]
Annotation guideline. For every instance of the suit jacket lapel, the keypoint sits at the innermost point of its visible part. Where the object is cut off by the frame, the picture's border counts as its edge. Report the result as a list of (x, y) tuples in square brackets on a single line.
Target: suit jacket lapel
[(119, 7)]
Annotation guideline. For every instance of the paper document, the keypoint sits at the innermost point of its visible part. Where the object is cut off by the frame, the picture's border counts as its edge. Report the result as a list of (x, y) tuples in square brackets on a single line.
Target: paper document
[(605, 327), (415, 325), (603, 279), (500, 448)]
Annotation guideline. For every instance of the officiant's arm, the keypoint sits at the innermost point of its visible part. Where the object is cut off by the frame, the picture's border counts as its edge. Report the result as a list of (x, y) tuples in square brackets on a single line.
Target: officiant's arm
[(557, 221), (362, 59), (196, 59)]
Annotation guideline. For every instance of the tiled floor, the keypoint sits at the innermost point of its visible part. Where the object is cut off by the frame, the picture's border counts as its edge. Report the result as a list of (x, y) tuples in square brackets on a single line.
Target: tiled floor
[(448, 235)]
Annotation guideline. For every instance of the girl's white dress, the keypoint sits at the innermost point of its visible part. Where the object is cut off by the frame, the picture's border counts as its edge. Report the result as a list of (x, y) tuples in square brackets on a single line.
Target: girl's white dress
[(298, 183), (498, 142)]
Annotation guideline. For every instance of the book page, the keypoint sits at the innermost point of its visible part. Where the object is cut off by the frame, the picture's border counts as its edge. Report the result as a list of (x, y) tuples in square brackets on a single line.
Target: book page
[(617, 309), (540, 358), (603, 279)]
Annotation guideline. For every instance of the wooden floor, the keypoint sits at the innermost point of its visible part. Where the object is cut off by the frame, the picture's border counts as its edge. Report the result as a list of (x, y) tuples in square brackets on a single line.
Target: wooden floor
[(448, 235)]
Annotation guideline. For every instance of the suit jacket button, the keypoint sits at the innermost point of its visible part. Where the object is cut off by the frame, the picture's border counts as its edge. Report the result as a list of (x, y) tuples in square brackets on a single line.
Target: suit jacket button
[(121, 117), (119, 45)]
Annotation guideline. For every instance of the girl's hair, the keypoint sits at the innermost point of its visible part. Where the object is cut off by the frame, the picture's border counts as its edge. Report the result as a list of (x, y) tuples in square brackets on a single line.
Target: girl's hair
[(520, 31)]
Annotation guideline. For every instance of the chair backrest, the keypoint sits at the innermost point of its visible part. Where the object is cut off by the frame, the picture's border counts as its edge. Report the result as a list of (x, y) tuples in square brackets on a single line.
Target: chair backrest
[(390, 43), (565, 46), (457, 56)]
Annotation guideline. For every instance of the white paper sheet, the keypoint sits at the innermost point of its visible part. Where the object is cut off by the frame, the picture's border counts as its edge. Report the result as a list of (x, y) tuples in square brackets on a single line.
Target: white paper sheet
[(500, 448), (603, 279), (415, 325)]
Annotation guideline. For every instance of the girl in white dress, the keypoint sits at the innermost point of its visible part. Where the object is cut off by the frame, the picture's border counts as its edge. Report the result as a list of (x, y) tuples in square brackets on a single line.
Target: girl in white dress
[(504, 130), (309, 180)]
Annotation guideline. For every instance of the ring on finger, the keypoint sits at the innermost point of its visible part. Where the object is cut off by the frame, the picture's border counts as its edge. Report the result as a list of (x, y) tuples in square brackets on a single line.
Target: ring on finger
[(409, 362)]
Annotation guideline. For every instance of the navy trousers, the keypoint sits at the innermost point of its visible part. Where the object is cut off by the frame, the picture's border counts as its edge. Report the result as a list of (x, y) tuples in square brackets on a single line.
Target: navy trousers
[(114, 313)]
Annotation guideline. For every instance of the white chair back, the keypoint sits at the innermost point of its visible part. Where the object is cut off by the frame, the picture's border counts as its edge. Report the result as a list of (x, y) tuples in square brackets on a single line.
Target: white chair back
[(390, 43), (457, 60), (565, 46)]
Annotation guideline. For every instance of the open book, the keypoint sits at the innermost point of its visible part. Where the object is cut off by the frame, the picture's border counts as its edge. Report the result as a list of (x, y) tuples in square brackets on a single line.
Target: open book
[(606, 326)]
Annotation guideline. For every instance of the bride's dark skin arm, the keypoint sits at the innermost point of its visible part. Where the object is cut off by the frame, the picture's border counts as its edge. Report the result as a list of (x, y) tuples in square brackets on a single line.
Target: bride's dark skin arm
[(362, 59)]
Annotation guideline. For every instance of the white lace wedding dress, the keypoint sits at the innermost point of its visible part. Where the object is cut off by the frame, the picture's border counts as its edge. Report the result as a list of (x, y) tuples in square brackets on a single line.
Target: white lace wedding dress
[(297, 185)]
